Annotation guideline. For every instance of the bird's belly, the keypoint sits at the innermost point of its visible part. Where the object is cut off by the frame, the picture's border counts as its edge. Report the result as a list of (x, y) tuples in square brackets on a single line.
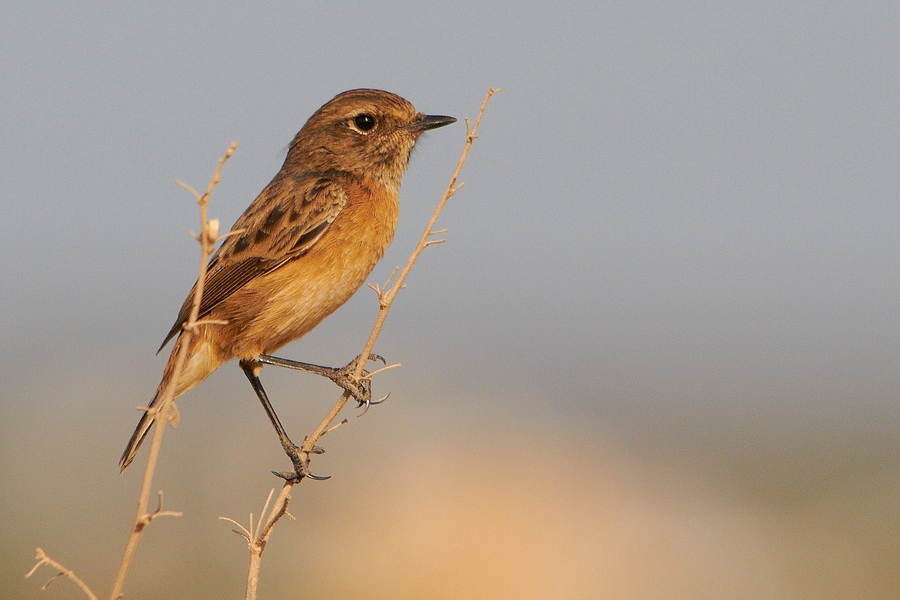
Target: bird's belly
[(303, 300), (285, 304)]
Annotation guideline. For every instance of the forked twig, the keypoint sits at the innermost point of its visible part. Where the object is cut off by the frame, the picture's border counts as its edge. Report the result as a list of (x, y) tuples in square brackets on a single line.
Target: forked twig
[(259, 537), (43, 559)]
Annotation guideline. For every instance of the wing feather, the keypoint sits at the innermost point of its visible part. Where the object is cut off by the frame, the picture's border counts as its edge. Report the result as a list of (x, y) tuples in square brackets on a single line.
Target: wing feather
[(287, 219)]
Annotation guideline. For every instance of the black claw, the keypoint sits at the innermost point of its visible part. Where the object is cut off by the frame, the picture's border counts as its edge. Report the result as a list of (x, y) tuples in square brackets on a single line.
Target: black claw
[(366, 409), (299, 475), (371, 403), (360, 389)]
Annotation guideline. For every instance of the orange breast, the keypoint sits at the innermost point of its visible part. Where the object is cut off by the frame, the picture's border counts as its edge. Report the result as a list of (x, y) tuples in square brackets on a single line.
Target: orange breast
[(283, 305)]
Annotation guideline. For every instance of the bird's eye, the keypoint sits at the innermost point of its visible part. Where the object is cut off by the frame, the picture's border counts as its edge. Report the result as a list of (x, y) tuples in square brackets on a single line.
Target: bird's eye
[(364, 123)]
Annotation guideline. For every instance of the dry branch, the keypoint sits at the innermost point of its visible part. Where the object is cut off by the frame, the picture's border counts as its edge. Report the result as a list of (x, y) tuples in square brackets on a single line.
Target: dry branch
[(165, 410)]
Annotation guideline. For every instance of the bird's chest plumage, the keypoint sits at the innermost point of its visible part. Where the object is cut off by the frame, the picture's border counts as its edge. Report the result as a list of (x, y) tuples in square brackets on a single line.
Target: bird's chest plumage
[(300, 294)]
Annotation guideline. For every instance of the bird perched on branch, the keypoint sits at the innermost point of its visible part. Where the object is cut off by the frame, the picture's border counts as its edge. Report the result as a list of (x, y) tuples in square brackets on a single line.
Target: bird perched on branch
[(302, 248)]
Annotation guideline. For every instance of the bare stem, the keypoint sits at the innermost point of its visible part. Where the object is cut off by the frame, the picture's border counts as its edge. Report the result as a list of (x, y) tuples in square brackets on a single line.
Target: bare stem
[(386, 297), (165, 410)]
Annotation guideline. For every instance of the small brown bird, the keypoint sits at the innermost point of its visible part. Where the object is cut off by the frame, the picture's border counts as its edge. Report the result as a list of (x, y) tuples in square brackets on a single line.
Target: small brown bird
[(304, 246)]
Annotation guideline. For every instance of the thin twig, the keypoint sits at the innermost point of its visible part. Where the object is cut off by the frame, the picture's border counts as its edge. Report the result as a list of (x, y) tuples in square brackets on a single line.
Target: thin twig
[(164, 411), (43, 559), (335, 426), (372, 374), (386, 297), (256, 540)]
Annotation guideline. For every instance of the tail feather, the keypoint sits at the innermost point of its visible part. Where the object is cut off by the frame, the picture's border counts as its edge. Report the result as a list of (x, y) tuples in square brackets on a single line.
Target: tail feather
[(201, 361), (137, 438)]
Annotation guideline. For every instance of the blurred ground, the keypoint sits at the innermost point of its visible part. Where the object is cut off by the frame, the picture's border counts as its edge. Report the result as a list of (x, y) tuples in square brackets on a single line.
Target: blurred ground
[(441, 496)]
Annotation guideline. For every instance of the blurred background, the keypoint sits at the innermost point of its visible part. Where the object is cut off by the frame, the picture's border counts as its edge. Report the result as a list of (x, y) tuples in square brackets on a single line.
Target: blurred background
[(658, 356)]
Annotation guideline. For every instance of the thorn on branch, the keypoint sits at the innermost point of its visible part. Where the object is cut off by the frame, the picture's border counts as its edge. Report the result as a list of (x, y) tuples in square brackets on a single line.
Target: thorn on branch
[(370, 375), (189, 189), (333, 427), (153, 411), (243, 530), (256, 536), (230, 233), (377, 289), (380, 290), (159, 512)]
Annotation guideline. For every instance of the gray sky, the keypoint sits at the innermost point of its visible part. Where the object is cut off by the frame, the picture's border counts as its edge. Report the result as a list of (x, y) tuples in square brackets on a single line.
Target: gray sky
[(678, 236)]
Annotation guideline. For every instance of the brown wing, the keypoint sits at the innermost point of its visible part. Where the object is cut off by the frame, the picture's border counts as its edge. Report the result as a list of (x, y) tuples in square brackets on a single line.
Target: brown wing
[(286, 219)]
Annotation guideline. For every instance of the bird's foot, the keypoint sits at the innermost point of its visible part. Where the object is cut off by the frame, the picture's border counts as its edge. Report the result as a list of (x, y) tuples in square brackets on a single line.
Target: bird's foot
[(360, 388), (300, 460)]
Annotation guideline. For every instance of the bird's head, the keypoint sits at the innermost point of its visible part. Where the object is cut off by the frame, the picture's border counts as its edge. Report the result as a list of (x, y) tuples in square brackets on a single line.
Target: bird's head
[(363, 131)]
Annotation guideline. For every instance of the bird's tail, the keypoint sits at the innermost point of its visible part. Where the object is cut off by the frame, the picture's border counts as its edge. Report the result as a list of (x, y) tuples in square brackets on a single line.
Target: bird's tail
[(199, 363), (140, 432)]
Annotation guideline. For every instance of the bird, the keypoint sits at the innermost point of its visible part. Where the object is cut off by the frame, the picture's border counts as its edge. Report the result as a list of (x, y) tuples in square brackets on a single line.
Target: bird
[(302, 248)]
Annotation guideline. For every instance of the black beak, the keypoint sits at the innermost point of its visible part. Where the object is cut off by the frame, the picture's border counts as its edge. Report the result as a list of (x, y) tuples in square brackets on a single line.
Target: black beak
[(426, 122)]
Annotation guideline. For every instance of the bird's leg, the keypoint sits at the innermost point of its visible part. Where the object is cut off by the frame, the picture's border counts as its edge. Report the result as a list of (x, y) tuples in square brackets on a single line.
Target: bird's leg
[(301, 467), (360, 389)]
